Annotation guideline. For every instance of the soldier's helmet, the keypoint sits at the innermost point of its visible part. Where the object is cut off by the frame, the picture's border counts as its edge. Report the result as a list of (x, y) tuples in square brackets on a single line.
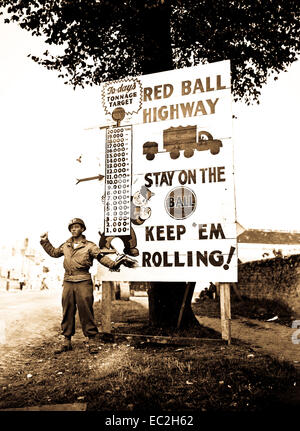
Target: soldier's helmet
[(76, 220)]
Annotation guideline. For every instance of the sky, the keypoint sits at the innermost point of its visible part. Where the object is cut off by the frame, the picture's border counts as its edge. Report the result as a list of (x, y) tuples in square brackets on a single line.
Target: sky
[(46, 125)]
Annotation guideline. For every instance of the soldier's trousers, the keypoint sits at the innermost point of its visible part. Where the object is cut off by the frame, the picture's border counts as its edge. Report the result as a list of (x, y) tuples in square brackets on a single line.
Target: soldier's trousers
[(78, 295)]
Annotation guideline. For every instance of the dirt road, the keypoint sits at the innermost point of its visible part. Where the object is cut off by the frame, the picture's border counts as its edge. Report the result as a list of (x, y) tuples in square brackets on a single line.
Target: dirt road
[(270, 337), (26, 318), (30, 317)]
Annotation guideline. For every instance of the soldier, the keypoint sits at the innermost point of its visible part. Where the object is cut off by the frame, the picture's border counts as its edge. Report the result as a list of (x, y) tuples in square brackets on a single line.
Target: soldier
[(22, 281), (77, 285)]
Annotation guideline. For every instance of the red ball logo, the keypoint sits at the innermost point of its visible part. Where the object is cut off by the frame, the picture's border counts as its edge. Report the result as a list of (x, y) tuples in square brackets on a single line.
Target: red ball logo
[(180, 203)]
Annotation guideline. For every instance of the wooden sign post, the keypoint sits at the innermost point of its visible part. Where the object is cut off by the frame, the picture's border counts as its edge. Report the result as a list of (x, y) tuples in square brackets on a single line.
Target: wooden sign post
[(106, 306), (225, 311)]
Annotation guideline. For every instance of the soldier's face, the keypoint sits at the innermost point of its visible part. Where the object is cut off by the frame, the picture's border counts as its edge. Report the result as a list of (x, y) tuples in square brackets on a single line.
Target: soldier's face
[(76, 230)]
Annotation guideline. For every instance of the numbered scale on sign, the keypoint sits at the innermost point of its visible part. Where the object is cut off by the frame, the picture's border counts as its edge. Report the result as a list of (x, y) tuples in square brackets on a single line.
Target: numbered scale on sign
[(117, 181)]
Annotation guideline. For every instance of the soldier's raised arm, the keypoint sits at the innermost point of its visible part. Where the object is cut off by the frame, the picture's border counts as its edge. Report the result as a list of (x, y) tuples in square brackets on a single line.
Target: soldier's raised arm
[(48, 247)]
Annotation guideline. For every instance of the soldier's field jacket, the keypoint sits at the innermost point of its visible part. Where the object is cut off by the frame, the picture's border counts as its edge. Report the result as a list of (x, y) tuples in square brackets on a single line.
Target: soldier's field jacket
[(77, 260)]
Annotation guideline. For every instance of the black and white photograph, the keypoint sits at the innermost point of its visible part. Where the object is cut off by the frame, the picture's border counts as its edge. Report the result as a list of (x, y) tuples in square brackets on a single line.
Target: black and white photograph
[(150, 223)]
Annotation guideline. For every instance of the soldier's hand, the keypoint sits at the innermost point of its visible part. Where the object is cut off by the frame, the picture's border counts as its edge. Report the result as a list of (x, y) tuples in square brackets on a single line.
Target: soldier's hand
[(126, 261), (129, 262), (44, 236), (116, 267)]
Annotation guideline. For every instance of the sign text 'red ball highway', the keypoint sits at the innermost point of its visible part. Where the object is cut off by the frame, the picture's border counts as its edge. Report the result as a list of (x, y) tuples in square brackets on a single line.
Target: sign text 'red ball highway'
[(174, 210)]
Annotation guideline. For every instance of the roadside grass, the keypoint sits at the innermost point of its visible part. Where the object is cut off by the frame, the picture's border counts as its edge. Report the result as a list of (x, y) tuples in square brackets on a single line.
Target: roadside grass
[(126, 320), (141, 377)]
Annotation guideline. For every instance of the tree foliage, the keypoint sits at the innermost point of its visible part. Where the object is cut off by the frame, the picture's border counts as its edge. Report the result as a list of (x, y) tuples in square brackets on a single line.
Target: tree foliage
[(104, 40)]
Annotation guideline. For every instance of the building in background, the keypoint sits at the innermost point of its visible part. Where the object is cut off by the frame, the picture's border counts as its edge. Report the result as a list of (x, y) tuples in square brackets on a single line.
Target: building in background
[(257, 244), (20, 260)]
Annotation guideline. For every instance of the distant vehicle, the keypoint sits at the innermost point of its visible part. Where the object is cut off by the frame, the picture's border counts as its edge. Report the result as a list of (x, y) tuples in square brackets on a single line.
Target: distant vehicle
[(183, 138)]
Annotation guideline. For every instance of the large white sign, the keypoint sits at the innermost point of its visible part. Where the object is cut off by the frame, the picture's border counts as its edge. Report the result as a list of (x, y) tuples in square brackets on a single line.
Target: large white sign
[(182, 215)]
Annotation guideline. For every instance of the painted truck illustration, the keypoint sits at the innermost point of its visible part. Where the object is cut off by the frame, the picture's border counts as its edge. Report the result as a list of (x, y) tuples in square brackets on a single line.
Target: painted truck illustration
[(183, 138)]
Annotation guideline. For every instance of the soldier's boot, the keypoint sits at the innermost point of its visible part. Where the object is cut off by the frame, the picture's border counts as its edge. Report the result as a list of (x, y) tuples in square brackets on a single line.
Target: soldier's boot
[(65, 347)]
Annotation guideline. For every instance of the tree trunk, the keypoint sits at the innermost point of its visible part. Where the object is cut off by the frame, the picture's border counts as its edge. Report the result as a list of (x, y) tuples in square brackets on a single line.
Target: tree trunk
[(157, 47), (165, 298), (165, 302)]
